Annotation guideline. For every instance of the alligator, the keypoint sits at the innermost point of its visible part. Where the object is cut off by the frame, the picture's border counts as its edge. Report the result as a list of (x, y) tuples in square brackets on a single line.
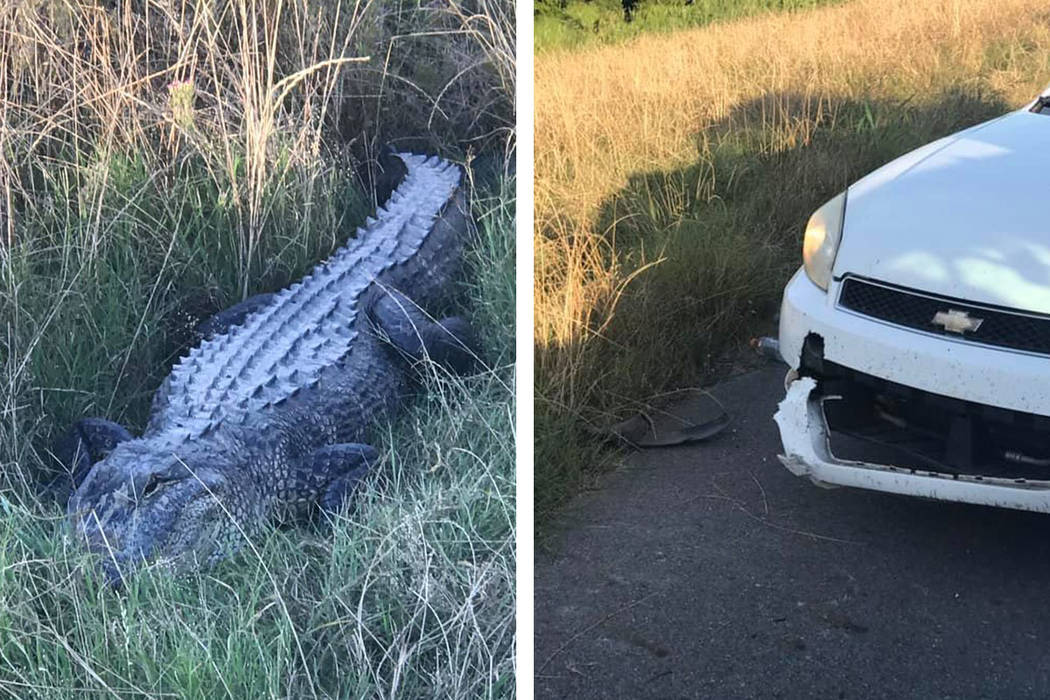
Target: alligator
[(263, 419)]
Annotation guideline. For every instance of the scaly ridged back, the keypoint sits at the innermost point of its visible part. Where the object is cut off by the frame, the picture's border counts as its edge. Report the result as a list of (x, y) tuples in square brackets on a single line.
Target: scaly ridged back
[(283, 347)]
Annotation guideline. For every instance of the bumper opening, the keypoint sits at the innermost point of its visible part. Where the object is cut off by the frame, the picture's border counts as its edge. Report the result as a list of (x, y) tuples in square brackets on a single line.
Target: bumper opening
[(873, 420)]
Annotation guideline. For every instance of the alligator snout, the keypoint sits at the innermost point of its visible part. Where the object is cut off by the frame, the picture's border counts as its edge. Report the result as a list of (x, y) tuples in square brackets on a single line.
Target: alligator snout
[(110, 560)]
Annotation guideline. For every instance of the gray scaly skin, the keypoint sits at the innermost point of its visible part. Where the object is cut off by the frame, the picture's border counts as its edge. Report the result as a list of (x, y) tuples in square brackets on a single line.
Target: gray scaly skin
[(265, 415)]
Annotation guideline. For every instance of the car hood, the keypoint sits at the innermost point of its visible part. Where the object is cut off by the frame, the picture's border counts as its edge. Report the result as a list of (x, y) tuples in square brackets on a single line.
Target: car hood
[(967, 216)]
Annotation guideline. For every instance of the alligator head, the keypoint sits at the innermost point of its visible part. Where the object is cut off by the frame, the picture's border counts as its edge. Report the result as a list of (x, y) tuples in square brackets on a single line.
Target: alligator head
[(143, 505)]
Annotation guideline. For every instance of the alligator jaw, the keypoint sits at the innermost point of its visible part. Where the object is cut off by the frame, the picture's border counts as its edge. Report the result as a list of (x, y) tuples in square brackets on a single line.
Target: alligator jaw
[(139, 506)]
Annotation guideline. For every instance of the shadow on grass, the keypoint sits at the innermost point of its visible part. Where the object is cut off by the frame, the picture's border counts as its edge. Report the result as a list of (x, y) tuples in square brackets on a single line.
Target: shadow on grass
[(721, 237)]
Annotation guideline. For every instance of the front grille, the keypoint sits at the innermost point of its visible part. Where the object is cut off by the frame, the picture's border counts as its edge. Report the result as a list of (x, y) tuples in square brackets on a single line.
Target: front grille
[(882, 422), (1002, 328)]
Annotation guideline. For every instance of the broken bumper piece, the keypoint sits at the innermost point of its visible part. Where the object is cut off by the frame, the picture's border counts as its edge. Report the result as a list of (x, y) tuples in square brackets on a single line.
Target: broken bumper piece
[(807, 452)]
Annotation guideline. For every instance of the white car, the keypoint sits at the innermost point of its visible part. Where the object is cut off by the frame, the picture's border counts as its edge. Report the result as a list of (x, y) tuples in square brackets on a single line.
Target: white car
[(918, 328)]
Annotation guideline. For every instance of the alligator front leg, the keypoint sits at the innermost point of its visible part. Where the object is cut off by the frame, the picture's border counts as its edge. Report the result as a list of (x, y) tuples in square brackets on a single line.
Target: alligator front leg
[(449, 342), (236, 315), (87, 442), (330, 475)]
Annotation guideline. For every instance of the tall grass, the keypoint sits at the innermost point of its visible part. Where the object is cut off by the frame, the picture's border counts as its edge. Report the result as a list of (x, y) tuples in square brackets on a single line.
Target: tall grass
[(160, 160), (674, 175)]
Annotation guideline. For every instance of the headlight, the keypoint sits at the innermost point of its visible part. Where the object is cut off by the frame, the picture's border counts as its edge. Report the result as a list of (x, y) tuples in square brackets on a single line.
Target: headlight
[(821, 243)]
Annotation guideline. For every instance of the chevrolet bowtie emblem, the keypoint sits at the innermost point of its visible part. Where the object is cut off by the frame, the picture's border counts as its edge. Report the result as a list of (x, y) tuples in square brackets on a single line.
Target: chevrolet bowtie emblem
[(955, 321)]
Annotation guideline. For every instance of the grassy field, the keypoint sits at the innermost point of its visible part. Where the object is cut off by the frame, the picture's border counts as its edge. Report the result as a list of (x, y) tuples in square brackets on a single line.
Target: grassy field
[(573, 24), (160, 161), (674, 175)]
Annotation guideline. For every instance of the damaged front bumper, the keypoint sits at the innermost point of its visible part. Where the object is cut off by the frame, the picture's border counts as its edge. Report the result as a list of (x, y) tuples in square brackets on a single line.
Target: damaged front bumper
[(806, 439), (878, 406)]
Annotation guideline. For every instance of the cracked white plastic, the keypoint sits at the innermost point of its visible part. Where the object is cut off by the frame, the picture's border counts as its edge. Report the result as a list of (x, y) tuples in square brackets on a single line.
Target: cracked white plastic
[(807, 452)]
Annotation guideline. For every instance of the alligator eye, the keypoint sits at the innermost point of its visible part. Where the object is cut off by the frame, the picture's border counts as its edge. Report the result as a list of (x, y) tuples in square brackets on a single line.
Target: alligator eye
[(152, 484)]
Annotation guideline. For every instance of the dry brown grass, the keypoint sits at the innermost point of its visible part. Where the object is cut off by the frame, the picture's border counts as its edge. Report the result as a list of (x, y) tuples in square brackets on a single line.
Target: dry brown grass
[(664, 104), (257, 91)]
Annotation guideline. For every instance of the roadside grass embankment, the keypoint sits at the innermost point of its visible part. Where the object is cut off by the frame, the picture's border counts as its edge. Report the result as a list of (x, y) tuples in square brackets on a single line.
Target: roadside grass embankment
[(574, 24), (675, 174), (161, 161)]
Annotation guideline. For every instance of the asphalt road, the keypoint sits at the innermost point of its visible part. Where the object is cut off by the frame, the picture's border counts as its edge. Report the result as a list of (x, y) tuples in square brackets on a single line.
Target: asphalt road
[(709, 571)]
